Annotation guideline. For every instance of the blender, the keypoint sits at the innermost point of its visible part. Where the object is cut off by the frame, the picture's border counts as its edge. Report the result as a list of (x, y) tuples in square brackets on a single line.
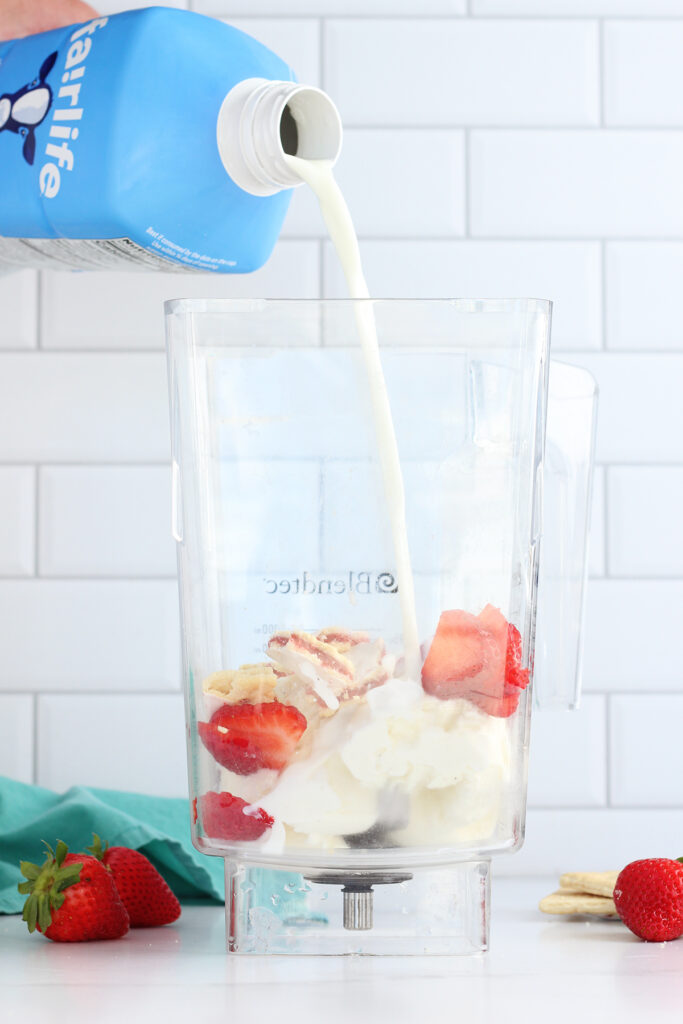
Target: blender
[(357, 799)]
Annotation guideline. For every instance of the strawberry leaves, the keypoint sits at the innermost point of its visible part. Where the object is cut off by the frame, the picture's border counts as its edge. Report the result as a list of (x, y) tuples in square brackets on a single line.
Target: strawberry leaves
[(44, 886)]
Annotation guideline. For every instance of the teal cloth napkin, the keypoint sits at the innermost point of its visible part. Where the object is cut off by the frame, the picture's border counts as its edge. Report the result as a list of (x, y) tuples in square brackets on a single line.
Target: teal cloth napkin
[(157, 826)]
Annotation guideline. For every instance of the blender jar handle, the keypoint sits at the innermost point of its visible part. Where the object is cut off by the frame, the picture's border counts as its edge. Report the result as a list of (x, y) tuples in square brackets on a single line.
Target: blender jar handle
[(563, 568)]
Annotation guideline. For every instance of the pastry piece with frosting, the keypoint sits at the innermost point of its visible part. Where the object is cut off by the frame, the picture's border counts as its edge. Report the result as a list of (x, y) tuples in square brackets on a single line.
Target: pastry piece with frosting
[(336, 665), (319, 665), (342, 639), (254, 684)]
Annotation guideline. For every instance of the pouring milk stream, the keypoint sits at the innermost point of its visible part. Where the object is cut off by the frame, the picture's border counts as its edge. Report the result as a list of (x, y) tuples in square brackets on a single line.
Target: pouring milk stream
[(318, 175)]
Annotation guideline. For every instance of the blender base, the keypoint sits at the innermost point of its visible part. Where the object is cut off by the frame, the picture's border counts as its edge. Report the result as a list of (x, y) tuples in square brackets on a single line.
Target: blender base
[(416, 911)]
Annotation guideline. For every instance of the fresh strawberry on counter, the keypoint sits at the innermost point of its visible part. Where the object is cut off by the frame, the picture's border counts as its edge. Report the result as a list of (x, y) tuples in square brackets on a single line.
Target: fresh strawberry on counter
[(648, 895), (72, 898), (145, 894)]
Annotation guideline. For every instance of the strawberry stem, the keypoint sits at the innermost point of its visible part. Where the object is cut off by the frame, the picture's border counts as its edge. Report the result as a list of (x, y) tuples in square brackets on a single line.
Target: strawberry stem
[(97, 850)]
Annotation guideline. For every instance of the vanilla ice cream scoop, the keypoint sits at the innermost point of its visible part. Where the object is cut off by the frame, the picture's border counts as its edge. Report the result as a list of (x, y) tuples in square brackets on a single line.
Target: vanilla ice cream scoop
[(402, 761)]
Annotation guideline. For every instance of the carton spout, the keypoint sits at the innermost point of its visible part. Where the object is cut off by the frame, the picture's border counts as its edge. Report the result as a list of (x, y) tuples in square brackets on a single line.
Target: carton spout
[(261, 123)]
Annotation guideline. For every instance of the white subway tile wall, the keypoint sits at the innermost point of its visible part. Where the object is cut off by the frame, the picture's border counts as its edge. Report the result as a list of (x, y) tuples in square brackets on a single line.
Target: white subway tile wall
[(393, 161), (18, 519), (104, 635), (18, 300), (16, 736), (141, 733), (452, 72), (135, 320), (105, 521), (596, 546), (644, 526), (576, 184), (643, 290), (637, 52), (646, 729), (560, 8), (493, 147), (569, 271)]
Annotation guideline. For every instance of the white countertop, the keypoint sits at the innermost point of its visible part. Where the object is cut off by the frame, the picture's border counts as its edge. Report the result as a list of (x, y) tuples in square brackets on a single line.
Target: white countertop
[(538, 969)]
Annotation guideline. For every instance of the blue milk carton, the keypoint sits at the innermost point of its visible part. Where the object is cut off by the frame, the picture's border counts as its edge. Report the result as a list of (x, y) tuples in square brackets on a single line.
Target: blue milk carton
[(153, 139)]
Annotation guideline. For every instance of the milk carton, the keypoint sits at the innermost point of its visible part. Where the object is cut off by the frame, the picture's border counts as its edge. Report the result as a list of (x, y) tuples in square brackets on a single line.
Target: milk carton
[(155, 139)]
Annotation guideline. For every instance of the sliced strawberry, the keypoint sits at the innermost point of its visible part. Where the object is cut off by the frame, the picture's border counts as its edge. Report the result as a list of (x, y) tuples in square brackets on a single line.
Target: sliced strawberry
[(247, 737), (494, 622), (225, 816), (457, 653), (515, 675), (497, 707), (478, 658), (466, 656)]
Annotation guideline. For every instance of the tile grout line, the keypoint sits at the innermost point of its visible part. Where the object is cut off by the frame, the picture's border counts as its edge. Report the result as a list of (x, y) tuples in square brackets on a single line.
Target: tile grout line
[(132, 577), (36, 522), (172, 578), (601, 70), (368, 236), (514, 127), (94, 578), (321, 54), (321, 524), (240, 15), (86, 692), (467, 174), (675, 464), (606, 518), (608, 749), (34, 733), (604, 528), (441, 237), (88, 464), (170, 691), (39, 311), (603, 293), (602, 808), (321, 269), (321, 240)]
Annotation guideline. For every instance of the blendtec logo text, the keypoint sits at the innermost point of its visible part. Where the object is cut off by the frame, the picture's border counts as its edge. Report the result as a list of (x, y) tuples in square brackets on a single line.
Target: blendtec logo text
[(362, 583)]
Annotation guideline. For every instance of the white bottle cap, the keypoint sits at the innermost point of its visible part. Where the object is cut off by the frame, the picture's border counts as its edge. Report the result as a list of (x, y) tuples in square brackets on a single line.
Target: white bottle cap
[(261, 121)]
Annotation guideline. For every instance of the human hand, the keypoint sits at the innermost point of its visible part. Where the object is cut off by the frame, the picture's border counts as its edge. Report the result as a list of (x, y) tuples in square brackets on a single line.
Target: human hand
[(25, 17)]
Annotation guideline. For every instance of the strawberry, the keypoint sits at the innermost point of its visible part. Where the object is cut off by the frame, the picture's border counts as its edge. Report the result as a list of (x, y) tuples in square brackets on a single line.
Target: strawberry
[(479, 658), (228, 817), (72, 898), (145, 894), (247, 737), (457, 652), (648, 895), (515, 675)]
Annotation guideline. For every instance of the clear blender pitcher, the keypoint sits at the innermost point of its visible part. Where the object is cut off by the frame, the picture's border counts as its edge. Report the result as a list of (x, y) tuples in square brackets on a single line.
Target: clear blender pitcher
[(356, 801)]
